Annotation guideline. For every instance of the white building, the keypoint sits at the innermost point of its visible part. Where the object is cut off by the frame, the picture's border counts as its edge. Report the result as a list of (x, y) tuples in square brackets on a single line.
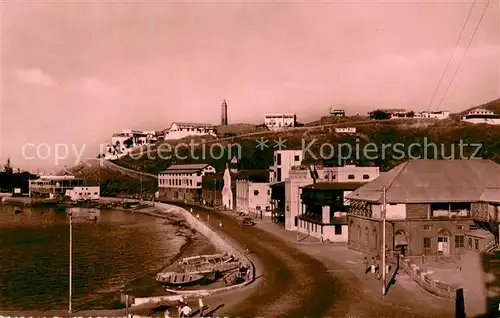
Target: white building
[(345, 130), (253, 193), (87, 193), (59, 186), (183, 182), (303, 175), (482, 116), (441, 114), (283, 161), (180, 130), (126, 141), (280, 121), (337, 112)]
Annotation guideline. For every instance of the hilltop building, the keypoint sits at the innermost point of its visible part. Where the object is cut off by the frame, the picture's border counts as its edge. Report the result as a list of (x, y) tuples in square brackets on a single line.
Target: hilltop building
[(180, 130), (395, 112), (482, 116), (337, 112), (430, 208), (282, 121), (127, 140), (183, 181), (223, 111), (440, 114)]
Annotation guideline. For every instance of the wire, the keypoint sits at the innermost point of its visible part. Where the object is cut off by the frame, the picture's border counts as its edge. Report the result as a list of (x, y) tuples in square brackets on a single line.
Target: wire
[(465, 53), (451, 55)]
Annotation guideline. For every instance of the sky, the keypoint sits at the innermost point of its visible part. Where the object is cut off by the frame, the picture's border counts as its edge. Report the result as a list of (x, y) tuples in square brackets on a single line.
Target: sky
[(75, 72)]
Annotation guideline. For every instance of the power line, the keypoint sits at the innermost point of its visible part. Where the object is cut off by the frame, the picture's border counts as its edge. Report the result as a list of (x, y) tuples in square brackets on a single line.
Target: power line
[(451, 55), (465, 53)]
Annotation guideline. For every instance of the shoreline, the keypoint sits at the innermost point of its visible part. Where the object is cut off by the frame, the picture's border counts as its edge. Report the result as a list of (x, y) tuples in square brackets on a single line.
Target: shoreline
[(193, 243)]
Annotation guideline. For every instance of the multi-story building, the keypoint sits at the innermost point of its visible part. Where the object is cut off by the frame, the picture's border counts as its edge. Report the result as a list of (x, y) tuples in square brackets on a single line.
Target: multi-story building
[(280, 121), (482, 116), (253, 193), (60, 186), (428, 207), (183, 182), (126, 141), (282, 162), (439, 114), (315, 197), (180, 130)]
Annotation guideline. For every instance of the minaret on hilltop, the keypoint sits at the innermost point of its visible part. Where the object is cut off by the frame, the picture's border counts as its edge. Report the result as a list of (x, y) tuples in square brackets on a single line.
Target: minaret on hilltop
[(223, 111)]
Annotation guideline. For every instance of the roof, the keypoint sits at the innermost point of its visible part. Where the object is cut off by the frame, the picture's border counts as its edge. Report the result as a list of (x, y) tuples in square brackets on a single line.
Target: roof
[(335, 185), (392, 110), (186, 168), (253, 175), (480, 233), (490, 195), (192, 124), (424, 181)]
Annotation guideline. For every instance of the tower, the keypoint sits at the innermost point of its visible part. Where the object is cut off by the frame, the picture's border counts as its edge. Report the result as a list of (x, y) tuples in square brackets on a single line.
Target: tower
[(223, 111)]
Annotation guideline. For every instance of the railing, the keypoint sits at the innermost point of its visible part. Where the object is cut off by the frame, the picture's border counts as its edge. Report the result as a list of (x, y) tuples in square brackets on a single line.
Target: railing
[(490, 247), (420, 276)]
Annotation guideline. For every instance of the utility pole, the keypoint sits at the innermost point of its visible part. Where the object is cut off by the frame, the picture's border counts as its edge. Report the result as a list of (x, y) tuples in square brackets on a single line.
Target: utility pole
[(70, 259), (383, 242), (298, 210)]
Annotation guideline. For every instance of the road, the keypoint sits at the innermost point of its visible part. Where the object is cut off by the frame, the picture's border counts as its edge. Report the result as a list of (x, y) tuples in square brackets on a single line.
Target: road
[(296, 284)]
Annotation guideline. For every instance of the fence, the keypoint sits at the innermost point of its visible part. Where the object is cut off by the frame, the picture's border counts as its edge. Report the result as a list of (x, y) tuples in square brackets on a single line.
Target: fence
[(420, 276)]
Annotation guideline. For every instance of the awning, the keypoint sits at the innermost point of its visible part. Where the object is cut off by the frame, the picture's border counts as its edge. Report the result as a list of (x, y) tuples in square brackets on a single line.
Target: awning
[(400, 240)]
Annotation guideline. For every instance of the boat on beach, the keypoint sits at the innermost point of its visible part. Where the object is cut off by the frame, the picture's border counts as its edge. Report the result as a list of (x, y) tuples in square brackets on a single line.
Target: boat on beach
[(179, 279)]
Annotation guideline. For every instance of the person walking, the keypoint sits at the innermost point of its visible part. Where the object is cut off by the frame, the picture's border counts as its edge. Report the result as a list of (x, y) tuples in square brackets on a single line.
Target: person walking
[(220, 225), (200, 303), (374, 265), (198, 216), (367, 265)]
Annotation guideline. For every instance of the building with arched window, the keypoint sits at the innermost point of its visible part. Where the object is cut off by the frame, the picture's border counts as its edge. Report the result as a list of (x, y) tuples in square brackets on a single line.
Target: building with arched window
[(433, 207)]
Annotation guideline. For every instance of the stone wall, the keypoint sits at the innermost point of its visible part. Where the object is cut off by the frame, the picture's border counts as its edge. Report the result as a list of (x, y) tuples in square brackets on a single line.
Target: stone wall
[(216, 239)]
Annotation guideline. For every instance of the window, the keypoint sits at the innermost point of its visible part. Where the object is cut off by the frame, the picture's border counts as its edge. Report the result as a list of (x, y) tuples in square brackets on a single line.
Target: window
[(476, 244), (459, 241), (278, 161), (255, 192), (296, 220), (296, 158), (427, 227), (470, 243), (427, 242), (279, 175), (365, 177), (351, 177), (338, 229)]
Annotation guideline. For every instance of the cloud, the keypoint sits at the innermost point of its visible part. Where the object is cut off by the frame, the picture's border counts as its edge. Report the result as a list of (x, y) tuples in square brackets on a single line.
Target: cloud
[(35, 76), (96, 87)]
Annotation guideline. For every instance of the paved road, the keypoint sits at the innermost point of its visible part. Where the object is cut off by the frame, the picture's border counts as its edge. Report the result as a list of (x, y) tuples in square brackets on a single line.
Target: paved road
[(295, 284)]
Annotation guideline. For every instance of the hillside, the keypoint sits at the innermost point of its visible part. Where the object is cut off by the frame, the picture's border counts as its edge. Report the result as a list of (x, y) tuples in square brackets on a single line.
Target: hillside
[(446, 134), (113, 181), (494, 106)]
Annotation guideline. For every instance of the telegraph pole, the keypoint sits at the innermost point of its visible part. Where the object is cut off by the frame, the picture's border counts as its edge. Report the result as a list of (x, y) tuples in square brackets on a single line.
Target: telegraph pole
[(70, 259), (383, 242)]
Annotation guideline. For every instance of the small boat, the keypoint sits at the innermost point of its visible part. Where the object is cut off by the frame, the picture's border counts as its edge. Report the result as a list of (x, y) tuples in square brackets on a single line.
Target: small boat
[(200, 259), (179, 279), (17, 211)]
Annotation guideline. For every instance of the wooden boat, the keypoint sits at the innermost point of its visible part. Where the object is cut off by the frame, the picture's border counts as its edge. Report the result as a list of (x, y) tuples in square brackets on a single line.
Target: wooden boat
[(179, 279), (200, 259)]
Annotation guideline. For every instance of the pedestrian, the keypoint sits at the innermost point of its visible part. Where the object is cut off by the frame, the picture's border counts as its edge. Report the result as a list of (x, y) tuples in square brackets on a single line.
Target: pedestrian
[(180, 305), (200, 303), (220, 225), (167, 314), (373, 267), (198, 216), (185, 311), (367, 265), (191, 210)]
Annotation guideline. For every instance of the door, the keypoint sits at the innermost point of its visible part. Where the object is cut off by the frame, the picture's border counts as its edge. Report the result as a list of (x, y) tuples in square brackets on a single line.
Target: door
[(443, 245)]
